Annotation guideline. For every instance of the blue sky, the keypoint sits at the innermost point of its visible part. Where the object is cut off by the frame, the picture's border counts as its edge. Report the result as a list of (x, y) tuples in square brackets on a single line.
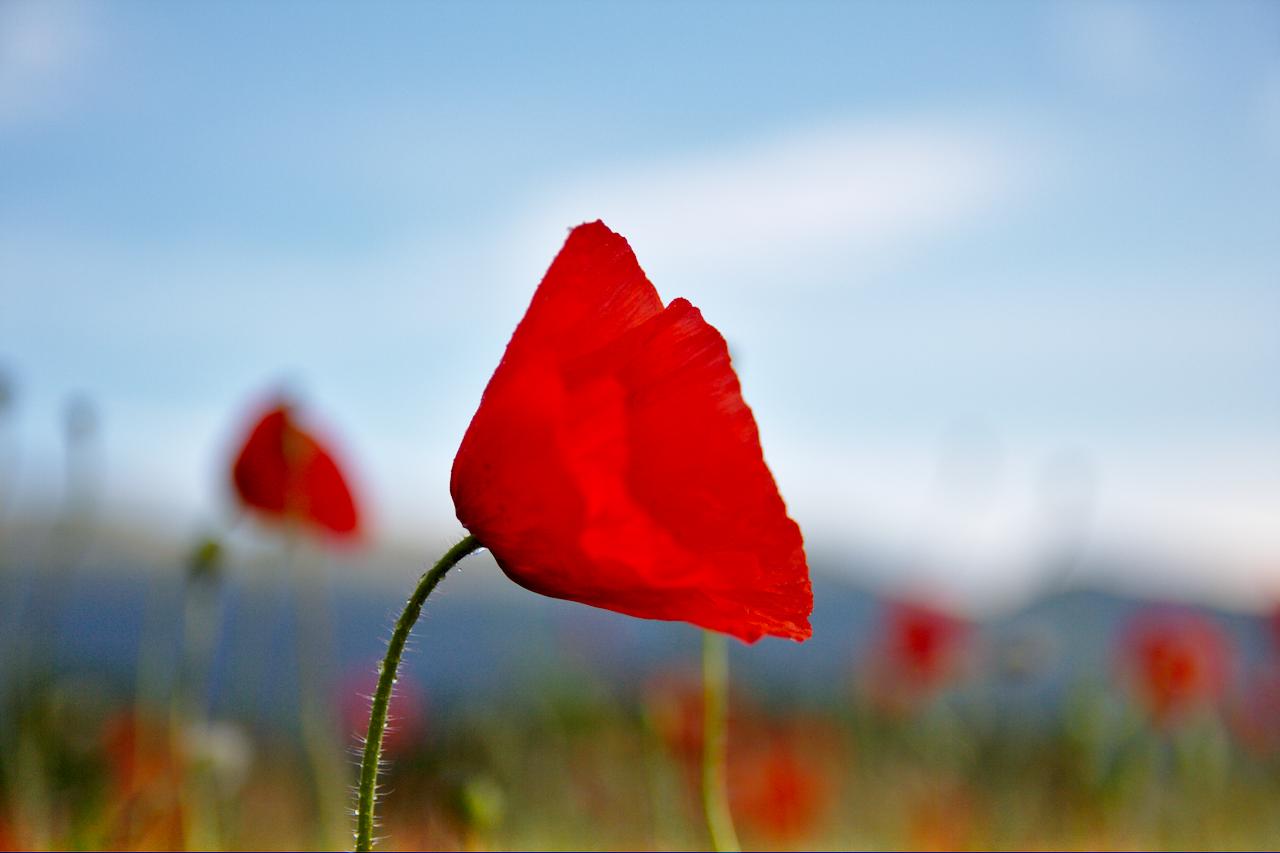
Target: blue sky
[(994, 274)]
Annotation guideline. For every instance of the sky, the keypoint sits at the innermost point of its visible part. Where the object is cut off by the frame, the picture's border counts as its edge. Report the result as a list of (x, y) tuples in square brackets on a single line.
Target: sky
[(1001, 280)]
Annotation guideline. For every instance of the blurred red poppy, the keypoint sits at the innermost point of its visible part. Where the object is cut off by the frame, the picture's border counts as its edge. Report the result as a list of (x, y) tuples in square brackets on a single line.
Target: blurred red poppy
[(286, 474), (673, 706), (138, 751), (920, 649), (146, 778), (407, 724), (780, 792), (1177, 661), (1273, 628), (612, 460), (1255, 712)]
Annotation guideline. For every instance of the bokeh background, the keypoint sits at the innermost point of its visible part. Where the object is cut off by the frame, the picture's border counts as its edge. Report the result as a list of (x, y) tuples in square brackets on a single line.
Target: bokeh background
[(1000, 280)]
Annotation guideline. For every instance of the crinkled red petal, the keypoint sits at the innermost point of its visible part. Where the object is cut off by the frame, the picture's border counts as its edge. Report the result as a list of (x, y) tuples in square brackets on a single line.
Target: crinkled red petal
[(612, 460)]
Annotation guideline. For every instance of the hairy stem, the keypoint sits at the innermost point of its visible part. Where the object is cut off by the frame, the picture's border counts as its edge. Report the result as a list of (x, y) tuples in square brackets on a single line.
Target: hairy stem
[(369, 762), (715, 776)]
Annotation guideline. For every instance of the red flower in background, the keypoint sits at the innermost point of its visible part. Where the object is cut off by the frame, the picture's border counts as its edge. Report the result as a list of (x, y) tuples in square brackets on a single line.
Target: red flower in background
[(407, 724), (779, 791), (1255, 709), (146, 778), (1255, 712), (139, 753), (1177, 661), (612, 460), (1273, 628), (285, 473), (673, 705), (921, 648)]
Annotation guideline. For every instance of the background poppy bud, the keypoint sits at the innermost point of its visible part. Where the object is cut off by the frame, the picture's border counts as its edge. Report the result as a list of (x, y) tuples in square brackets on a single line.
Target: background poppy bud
[(284, 473), (205, 560)]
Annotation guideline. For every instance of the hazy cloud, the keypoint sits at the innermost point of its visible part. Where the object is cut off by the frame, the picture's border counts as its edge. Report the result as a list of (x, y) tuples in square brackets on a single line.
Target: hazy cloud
[(859, 192)]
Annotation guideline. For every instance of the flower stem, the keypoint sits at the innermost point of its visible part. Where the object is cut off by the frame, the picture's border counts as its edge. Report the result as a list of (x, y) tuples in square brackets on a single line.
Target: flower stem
[(715, 776), (189, 712), (372, 757), (313, 646)]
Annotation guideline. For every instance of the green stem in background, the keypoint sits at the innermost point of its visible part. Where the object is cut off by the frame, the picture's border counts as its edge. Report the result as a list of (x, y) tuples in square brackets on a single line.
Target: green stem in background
[(372, 757), (313, 648), (715, 774), (189, 716)]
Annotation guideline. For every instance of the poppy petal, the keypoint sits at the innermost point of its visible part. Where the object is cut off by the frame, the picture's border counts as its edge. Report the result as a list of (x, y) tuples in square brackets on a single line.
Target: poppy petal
[(613, 461), (283, 472)]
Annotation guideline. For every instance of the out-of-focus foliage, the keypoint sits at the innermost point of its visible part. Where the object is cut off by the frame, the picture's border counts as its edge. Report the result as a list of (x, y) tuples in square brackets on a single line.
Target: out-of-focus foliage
[(583, 766)]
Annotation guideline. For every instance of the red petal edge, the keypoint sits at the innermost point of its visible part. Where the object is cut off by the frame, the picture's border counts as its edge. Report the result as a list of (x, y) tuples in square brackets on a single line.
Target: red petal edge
[(613, 461)]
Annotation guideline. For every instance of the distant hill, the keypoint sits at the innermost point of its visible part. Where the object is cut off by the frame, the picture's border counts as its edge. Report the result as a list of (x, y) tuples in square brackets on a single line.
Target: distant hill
[(479, 637)]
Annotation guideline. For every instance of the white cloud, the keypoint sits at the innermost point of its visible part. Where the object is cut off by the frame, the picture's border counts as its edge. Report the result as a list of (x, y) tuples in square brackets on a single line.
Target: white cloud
[(1202, 528), (42, 46), (859, 193)]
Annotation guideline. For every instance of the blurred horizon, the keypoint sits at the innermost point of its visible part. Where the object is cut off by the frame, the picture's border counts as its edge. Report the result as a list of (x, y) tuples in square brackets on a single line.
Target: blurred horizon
[(1000, 280)]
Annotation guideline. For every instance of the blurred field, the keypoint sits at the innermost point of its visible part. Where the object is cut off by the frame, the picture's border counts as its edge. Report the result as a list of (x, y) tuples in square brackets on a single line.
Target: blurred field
[(158, 712)]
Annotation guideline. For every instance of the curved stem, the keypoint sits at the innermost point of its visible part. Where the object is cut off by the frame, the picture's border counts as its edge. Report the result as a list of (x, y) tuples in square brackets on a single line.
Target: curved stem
[(715, 776), (372, 757)]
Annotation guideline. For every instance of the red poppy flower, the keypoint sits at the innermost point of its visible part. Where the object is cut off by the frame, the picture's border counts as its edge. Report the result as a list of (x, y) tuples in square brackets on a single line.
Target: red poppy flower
[(146, 772), (409, 710), (1273, 628), (612, 460), (673, 704), (285, 474), (1177, 660), (1255, 713), (779, 790), (139, 752), (920, 649)]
